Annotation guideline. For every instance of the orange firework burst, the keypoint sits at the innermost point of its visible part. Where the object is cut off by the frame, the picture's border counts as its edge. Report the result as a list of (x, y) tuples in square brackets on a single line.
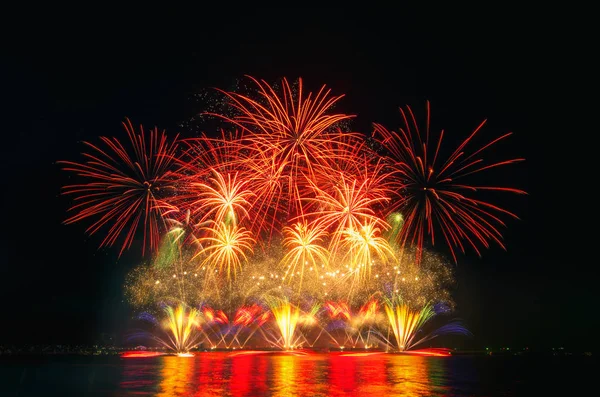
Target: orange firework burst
[(225, 248), (363, 245), (224, 199), (304, 249), (126, 186), (434, 194)]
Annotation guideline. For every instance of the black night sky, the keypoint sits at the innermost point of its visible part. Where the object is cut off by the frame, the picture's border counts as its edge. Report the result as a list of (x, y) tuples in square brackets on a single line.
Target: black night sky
[(74, 76)]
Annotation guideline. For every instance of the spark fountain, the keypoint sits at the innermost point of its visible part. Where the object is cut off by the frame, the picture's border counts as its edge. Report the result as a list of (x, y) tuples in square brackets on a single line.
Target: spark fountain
[(407, 325), (181, 329), (286, 318)]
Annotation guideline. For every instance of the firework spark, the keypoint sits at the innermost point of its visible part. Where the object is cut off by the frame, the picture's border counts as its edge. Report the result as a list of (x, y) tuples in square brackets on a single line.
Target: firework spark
[(167, 280), (286, 317), (347, 206)]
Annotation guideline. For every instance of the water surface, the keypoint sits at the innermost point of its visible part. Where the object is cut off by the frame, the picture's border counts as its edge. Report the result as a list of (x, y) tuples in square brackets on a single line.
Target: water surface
[(226, 374)]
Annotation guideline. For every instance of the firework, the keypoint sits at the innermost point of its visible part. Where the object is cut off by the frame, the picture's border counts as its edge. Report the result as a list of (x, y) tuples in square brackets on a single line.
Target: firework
[(431, 279), (294, 131), (406, 324), (347, 206), (211, 184), (225, 248), (181, 228), (181, 329), (246, 320), (362, 245), (265, 174), (288, 227), (289, 319), (286, 317), (223, 200), (224, 154), (262, 276), (357, 326), (436, 194), (338, 310), (125, 186), (304, 250)]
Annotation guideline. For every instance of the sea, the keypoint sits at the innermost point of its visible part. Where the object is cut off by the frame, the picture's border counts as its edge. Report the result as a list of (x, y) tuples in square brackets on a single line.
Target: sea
[(243, 374)]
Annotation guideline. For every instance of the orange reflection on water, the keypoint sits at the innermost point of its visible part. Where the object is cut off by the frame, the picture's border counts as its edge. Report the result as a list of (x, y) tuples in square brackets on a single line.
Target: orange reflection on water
[(298, 375), (284, 375), (141, 354), (371, 375), (177, 376), (409, 376), (202, 375)]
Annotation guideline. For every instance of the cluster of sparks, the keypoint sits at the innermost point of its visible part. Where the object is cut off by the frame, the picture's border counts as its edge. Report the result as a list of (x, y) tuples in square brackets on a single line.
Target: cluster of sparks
[(287, 204)]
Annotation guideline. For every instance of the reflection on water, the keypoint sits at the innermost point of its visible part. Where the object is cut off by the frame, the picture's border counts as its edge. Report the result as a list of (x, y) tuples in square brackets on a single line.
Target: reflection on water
[(297, 375), (410, 377), (342, 375), (177, 376), (252, 375), (285, 376), (267, 374), (279, 375), (372, 375)]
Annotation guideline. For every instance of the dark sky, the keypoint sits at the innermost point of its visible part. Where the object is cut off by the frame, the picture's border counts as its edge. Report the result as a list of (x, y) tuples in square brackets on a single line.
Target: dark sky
[(74, 75)]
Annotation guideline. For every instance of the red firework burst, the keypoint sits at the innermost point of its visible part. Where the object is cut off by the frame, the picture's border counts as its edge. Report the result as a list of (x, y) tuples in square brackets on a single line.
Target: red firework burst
[(435, 195), (125, 187), (293, 131)]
